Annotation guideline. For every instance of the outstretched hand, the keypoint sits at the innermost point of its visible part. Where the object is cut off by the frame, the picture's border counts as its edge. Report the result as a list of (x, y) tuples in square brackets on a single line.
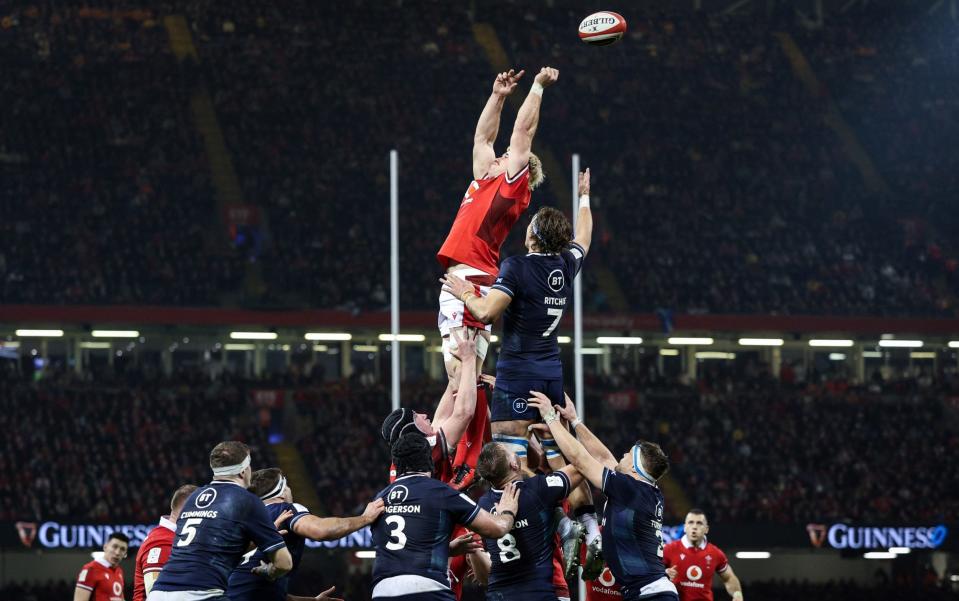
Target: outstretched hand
[(584, 182), (505, 82), (541, 402), (327, 595), (373, 510), (465, 346), (547, 76)]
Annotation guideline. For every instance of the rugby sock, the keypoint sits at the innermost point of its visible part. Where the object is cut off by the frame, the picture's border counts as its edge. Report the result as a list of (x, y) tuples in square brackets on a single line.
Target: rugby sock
[(516, 444), (551, 448), (477, 434), (587, 516)]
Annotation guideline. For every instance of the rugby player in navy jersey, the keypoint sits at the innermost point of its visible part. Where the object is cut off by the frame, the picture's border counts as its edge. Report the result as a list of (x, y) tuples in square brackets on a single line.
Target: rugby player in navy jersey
[(412, 537), (531, 292), (522, 560), (215, 528), (633, 517), (271, 486)]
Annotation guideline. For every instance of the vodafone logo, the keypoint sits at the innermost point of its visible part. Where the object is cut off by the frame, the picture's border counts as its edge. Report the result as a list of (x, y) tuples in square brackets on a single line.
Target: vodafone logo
[(694, 573), (606, 578), (117, 589)]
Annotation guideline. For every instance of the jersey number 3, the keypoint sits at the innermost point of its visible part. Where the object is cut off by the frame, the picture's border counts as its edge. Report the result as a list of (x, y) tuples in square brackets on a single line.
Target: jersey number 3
[(558, 314), (397, 524)]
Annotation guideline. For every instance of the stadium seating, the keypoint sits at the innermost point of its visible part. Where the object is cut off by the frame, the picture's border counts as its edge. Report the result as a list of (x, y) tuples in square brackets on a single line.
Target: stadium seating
[(114, 450), (718, 188)]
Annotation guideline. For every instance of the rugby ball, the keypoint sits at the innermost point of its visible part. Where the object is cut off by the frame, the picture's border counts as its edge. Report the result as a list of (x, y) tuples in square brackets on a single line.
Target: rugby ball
[(602, 28)]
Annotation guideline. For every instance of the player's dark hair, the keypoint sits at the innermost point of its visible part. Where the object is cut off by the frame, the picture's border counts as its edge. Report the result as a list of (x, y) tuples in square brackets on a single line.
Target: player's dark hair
[(411, 453), (229, 452), (397, 423), (123, 538), (265, 480), (552, 230), (654, 459), (697, 511), (493, 463), (180, 496)]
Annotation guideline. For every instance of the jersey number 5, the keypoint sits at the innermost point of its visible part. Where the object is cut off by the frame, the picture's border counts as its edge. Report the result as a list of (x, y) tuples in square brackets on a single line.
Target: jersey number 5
[(558, 314), (397, 523), (189, 529)]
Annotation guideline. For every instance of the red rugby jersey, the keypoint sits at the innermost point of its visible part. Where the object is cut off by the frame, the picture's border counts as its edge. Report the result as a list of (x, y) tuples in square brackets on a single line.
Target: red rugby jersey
[(104, 581), (153, 555), (488, 212), (696, 566)]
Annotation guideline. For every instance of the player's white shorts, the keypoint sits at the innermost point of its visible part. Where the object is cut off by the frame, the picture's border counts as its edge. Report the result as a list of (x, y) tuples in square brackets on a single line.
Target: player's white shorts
[(452, 310)]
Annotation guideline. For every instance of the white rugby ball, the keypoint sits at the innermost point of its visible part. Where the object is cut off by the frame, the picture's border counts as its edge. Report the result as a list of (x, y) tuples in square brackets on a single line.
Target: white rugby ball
[(602, 28)]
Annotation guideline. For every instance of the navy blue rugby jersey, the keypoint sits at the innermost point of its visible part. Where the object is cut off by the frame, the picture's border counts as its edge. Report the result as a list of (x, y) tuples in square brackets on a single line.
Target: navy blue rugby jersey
[(412, 535), (214, 530), (632, 531), (247, 586), (541, 286), (522, 561)]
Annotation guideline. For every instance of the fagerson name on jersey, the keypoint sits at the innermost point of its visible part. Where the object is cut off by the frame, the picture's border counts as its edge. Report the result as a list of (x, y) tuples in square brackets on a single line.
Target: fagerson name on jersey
[(403, 509)]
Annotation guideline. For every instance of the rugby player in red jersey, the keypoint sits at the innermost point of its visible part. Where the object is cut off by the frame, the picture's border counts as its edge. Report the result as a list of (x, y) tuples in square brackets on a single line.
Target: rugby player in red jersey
[(156, 547), (692, 560), (102, 578)]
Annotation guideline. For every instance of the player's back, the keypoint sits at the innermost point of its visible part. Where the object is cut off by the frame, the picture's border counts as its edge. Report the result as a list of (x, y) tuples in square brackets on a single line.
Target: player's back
[(540, 286), (215, 527), (153, 555), (412, 536), (632, 535), (245, 585), (522, 561), (487, 213)]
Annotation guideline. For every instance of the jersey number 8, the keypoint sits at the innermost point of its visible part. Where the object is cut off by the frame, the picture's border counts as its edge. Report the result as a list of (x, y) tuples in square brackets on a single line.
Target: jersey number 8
[(507, 549)]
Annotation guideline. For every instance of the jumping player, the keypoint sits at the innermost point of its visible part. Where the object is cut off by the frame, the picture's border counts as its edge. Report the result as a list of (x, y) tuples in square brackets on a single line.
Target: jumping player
[(215, 529), (531, 292), (102, 579), (412, 537), (522, 560), (271, 486), (633, 517), (156, 547), (499, 193), (692, 560)]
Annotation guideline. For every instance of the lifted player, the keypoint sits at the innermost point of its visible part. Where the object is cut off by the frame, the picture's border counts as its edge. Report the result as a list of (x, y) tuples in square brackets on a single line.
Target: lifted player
[(499, 193), (531, 292)]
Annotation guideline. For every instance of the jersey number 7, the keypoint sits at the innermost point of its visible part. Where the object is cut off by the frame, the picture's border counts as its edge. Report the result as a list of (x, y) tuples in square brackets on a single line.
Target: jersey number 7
[(558, 314)]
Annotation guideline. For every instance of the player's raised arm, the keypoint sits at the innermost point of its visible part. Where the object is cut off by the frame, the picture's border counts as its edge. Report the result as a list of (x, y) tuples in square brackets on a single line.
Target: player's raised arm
[(488, 125), (317, 528), (500, 522), (584, 217), (594, 446), (527, 121), (574, 451), (464, 406)]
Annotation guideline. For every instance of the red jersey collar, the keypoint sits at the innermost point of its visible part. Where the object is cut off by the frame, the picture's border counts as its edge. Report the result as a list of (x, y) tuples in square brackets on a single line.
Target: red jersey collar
[(689, 545), (104, 563)]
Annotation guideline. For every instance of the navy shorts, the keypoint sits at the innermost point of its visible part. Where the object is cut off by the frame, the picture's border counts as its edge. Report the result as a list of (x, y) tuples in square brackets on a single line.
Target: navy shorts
[(429, 596), (520, 596), (509, 398)]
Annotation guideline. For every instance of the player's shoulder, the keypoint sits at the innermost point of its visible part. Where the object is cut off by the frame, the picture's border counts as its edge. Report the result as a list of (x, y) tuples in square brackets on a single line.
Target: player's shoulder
[(711, 548), (673, 545), (93, 566)]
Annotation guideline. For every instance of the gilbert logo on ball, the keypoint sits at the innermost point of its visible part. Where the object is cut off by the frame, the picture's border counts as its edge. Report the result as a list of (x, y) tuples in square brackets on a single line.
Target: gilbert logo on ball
[(602, 28)]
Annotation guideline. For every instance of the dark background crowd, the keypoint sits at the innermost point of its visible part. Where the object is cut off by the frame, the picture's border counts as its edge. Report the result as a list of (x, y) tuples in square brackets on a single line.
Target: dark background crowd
[(721, 183), (726, 180)]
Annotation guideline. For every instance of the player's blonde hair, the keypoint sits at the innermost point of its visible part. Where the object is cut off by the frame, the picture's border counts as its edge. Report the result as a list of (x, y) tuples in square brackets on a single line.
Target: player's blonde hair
[(536, 174)]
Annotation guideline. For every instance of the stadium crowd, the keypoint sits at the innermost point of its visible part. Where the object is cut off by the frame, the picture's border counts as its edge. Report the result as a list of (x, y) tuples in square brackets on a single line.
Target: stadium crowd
[(112, 449), (715, 149), (107, 195)]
